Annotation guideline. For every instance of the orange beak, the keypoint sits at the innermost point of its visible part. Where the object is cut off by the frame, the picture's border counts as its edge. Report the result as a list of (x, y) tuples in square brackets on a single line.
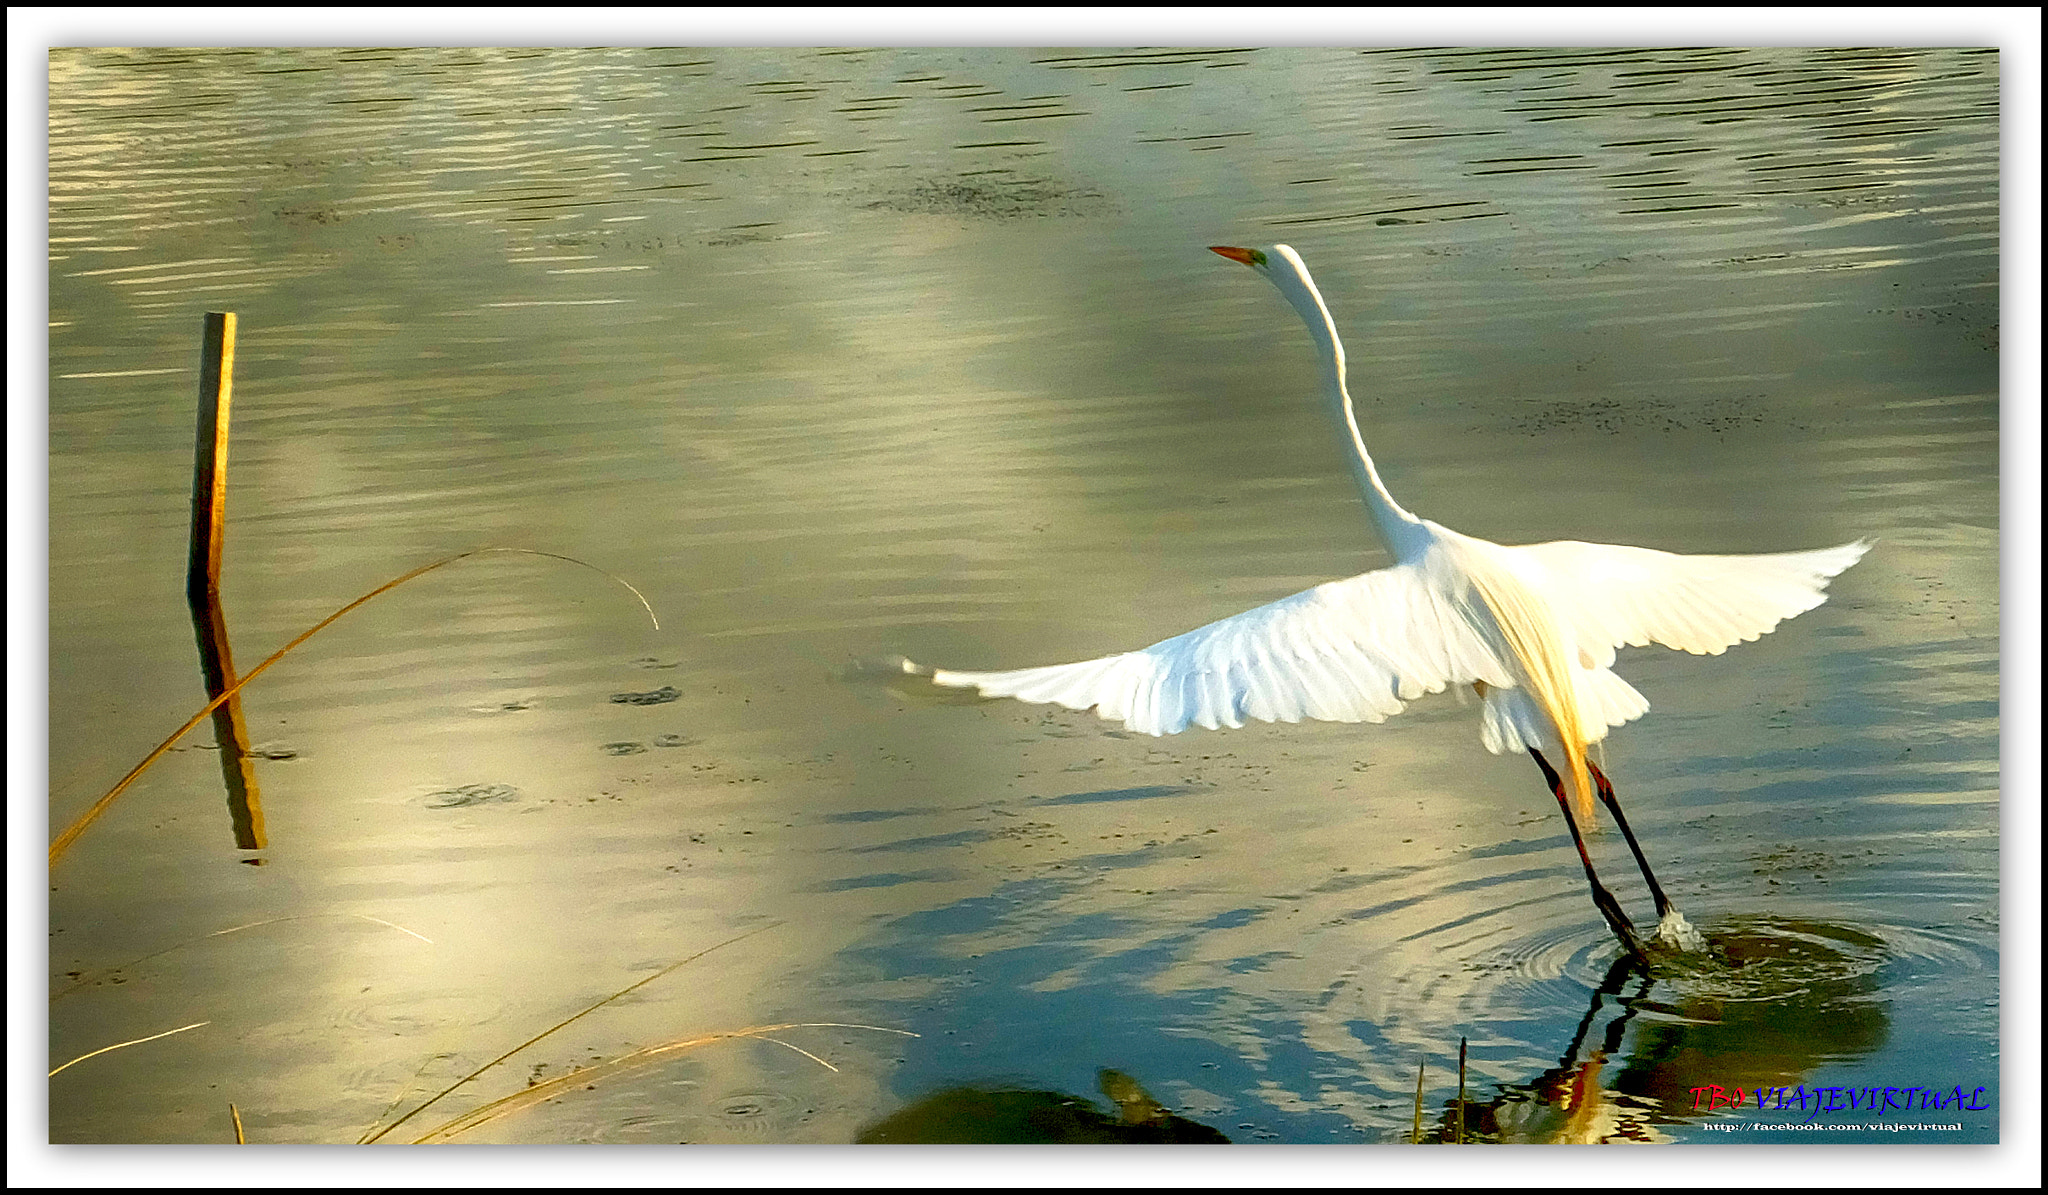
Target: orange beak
[(1242, 257)]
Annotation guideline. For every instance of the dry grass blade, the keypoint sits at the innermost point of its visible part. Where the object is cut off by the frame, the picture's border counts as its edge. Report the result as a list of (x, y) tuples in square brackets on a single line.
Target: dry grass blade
[(124, 1044), (1421, 1068), (76, 828), (806, 1053), (542, 1092), (399, 1099), (86, 980), (236, 1113), (1460, 1138), (371, 1137)]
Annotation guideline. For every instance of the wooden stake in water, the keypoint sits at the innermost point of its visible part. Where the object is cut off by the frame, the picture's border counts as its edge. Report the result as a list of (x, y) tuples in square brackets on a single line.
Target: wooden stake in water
[(202, 574), (210, 458)]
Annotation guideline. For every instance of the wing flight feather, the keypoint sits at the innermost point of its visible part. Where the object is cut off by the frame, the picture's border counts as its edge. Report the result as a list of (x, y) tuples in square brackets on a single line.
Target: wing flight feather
[(1615, 596), (1356, 650)]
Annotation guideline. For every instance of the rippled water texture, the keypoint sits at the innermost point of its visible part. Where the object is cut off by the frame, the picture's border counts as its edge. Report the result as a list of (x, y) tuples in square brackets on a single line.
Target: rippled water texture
[(835, 355)]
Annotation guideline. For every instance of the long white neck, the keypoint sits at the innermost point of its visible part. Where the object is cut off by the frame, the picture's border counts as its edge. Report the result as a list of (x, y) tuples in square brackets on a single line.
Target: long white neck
[(1402, 532)]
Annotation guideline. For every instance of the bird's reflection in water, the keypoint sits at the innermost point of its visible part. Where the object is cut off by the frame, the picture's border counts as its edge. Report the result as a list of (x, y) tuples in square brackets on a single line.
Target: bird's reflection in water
[(1763, 1007), (1766, 1005), (1009, 1116)]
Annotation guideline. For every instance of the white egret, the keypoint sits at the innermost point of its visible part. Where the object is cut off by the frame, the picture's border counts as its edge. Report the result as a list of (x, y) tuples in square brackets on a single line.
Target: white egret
[(1532, 628)]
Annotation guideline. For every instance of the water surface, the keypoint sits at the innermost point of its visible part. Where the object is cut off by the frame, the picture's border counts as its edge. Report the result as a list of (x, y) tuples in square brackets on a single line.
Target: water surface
[(835, 354)]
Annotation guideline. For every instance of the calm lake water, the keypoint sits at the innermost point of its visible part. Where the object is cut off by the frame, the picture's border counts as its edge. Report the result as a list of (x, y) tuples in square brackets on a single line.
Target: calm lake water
[(841, 354)]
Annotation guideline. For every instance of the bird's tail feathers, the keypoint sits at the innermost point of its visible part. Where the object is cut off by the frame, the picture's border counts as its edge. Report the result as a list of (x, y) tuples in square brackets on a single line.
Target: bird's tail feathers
[(1546, 672)]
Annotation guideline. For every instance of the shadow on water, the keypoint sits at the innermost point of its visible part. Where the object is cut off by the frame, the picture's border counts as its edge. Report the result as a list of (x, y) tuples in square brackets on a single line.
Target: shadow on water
[(1011, 1116)]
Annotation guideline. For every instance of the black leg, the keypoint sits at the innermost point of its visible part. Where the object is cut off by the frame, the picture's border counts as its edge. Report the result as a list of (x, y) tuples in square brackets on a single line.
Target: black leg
[(1606, 791), (1618, 921)]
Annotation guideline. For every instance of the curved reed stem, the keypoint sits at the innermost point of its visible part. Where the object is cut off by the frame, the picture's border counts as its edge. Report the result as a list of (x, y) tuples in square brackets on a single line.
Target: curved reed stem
[(70, 835), (122, 1045), (369, 1138), (584, 1076)]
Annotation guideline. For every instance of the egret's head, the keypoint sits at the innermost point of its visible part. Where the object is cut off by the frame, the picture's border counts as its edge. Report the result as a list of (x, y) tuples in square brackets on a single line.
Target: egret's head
[(1269, 258), (1280, 263), (1283, 267), (1257, 259)]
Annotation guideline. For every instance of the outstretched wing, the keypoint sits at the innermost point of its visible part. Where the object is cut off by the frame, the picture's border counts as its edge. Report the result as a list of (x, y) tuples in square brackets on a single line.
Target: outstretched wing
[(1356, 650), (1618, 596)]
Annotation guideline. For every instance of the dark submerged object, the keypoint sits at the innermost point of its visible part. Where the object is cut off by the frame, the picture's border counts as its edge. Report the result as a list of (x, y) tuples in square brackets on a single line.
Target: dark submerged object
[(1008, 1116)]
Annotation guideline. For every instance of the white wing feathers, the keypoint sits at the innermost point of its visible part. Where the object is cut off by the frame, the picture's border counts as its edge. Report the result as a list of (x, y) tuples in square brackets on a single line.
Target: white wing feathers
[(1360, 649), (1614, 596), (1356, 650)]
